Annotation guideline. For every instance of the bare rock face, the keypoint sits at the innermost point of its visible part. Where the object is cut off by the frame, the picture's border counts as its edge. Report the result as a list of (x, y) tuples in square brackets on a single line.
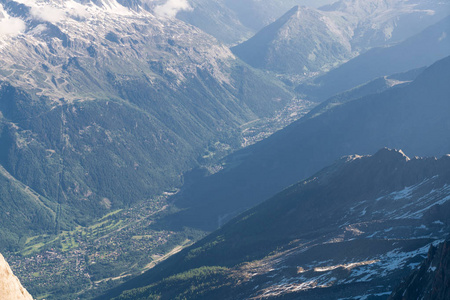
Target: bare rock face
[(10, 286)]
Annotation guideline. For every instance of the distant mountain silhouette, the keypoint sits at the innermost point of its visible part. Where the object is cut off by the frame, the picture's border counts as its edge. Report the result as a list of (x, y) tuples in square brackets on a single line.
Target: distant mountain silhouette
[(418, 51)]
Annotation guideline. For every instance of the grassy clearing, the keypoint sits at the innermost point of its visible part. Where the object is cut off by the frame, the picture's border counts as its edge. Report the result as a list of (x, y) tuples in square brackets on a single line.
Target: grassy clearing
[(140, 237), (111, 214), (66, 240)]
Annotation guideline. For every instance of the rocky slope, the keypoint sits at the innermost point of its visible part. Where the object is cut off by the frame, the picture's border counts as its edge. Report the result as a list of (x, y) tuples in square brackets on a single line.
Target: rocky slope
[(352, 230), (10, 286), (306, 41), (431, 280), (102, 105)]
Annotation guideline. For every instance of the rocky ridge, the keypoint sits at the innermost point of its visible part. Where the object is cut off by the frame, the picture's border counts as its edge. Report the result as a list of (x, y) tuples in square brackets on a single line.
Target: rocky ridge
[(10, 286), (75, 40)]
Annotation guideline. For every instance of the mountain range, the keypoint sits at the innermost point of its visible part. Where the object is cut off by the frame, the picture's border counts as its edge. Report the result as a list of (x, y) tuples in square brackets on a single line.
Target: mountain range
[(116, 117), (96, 115), (420, 50), (410, 116), (307, 41), (232, 21), (352, 230)]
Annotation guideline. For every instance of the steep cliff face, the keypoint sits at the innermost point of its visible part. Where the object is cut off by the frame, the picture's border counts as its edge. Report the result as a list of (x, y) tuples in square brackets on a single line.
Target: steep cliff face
[(10, 286), (431, 281)]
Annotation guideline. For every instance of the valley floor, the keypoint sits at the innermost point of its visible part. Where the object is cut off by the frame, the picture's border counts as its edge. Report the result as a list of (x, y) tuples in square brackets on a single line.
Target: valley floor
[(91, 259), (82, 263)]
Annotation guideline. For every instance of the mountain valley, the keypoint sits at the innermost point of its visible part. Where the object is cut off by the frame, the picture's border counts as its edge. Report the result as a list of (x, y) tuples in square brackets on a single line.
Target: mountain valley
[(87, 127), (224, 149), (363, 125)]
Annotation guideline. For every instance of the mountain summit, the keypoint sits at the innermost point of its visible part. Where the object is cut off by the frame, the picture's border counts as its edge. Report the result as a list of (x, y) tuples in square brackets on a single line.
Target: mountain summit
[(302, 40)]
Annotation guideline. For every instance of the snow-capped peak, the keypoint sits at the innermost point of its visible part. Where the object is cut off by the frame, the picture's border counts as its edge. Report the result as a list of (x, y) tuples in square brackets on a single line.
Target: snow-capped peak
[(52, 37)]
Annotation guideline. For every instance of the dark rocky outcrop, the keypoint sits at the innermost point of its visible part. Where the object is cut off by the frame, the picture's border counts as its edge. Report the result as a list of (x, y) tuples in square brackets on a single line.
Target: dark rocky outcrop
[(431, 281)]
